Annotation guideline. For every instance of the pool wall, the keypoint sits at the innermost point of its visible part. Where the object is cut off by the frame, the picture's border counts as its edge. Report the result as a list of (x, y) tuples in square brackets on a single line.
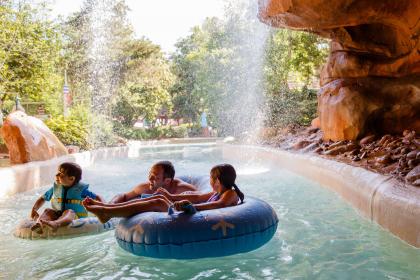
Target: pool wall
[(24, 177), (392, 204)]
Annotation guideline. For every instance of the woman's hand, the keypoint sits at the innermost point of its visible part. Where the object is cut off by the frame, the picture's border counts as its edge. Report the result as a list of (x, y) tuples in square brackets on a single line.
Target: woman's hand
[(179, 205)]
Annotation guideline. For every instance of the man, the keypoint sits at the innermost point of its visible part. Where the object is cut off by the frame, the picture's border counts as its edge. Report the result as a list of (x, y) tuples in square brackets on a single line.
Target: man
[(161, 175)]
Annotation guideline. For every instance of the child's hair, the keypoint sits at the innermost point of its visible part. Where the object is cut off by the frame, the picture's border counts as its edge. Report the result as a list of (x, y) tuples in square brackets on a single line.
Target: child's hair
[(168, 168), (72, 169), (227, 176)]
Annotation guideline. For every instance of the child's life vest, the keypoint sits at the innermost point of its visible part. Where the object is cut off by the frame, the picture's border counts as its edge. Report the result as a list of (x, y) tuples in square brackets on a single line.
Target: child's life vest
[(69, 198)]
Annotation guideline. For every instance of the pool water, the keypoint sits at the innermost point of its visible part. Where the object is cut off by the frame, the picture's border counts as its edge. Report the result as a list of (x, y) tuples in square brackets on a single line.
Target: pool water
[(319, 236)]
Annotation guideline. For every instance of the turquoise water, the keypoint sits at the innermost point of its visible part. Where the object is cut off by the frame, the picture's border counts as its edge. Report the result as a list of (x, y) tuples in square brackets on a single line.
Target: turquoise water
[(319, 235)]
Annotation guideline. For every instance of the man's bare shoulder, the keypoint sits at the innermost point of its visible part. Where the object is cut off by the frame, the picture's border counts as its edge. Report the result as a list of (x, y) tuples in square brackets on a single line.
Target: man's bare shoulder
[(180, 186), (143, 187)]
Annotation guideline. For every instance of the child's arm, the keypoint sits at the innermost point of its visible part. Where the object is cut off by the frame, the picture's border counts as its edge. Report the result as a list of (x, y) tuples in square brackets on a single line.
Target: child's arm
[(228, 198), (192, 197), (38, 204), (86, 193)]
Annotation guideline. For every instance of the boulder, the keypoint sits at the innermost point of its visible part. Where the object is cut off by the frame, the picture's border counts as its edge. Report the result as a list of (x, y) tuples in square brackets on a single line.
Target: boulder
[(29, 139), (413, 175), (371, 81)]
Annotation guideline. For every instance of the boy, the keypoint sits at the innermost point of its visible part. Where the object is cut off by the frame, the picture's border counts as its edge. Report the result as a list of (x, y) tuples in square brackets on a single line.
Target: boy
[(66, 196)]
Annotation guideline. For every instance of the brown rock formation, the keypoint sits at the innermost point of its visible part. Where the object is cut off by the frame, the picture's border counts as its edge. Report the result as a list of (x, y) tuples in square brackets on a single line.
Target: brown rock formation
[(371, 81), (29, 139)]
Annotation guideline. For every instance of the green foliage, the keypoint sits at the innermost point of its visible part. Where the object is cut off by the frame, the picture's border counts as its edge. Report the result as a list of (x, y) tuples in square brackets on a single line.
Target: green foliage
[(83, 128), (215, 69), (137, 76), (159, 132), (292, 107), (99, 128), (29, 55), (218, 69), (292, 56), (96, 57), (69, 131), (101, 132), (144, 88)]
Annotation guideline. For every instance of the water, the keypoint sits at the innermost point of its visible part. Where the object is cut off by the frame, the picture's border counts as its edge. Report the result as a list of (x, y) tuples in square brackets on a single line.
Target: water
[(319, 236)]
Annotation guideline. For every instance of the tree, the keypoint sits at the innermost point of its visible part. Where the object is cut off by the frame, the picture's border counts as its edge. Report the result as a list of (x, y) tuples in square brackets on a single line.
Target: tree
[(292, 57), (96, 40), (145, 86), (29, 55)]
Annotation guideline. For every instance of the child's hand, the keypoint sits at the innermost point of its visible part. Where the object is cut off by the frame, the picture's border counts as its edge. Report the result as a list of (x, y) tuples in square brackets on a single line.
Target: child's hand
[(179, 205), (34, 214)]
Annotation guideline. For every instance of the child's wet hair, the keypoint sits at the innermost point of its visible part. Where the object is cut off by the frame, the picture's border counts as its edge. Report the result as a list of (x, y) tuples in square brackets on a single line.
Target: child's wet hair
[(72, 169), (168, 168), (227, 175)]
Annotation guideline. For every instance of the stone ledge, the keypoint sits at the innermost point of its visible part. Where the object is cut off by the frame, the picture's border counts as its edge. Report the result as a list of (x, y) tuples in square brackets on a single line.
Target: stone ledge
[(394, 206)]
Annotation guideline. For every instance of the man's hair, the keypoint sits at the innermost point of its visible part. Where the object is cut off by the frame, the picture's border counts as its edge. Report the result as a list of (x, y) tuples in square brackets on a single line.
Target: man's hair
[(72, 169), (168, 168)]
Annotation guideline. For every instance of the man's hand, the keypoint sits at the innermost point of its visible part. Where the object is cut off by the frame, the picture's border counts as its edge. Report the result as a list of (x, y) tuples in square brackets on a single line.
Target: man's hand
[(163, 192), (34, 214)]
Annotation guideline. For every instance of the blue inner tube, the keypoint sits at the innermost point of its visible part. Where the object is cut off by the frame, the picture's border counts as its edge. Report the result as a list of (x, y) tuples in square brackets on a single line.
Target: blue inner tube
[(210, 233)]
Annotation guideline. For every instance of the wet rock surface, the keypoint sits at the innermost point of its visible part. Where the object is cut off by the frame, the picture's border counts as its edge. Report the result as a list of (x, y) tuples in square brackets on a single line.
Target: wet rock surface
[(29, 139), (371, 80), (394, 155)]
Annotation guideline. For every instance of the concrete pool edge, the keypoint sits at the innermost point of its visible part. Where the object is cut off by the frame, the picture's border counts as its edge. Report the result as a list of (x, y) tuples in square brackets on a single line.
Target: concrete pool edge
[(391, 204), (32, 175)]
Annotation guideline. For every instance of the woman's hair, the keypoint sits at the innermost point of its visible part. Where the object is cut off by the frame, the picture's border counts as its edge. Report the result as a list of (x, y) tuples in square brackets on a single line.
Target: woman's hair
[(227, 176), (72, 169), (168, 168)]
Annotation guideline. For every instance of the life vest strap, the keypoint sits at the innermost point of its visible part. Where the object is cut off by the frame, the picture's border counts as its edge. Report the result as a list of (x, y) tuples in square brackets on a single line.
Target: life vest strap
[(69, 201)]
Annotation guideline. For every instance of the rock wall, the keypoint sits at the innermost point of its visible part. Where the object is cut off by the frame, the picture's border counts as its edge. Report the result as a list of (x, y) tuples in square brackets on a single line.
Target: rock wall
[(371, 81), (29, 139)]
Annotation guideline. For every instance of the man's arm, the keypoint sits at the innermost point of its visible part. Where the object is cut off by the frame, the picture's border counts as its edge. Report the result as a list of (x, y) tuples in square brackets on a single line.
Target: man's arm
[(182, 186), (134, 193)]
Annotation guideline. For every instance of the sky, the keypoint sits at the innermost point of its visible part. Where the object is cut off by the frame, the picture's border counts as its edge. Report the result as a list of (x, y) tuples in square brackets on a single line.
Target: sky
[(161, 21)]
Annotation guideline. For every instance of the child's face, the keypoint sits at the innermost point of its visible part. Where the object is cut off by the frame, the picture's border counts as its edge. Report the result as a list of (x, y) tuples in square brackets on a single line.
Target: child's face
[(216, 185), (61, 178)]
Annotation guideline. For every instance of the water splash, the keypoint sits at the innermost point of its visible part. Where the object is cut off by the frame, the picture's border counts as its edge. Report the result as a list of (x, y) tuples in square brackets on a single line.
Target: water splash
[(244, 114), (104, 78)]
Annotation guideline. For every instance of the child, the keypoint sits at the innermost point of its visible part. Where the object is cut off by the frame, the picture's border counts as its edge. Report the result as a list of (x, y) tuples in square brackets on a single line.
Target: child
[(225, 193), (66, 196)]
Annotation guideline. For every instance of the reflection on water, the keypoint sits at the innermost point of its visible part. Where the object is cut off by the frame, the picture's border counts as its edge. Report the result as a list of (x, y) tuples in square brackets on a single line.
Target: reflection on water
[(319, 236)]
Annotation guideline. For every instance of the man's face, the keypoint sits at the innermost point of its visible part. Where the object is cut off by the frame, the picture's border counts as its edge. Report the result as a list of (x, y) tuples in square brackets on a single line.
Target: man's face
[(61, 178), (156, 179)]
